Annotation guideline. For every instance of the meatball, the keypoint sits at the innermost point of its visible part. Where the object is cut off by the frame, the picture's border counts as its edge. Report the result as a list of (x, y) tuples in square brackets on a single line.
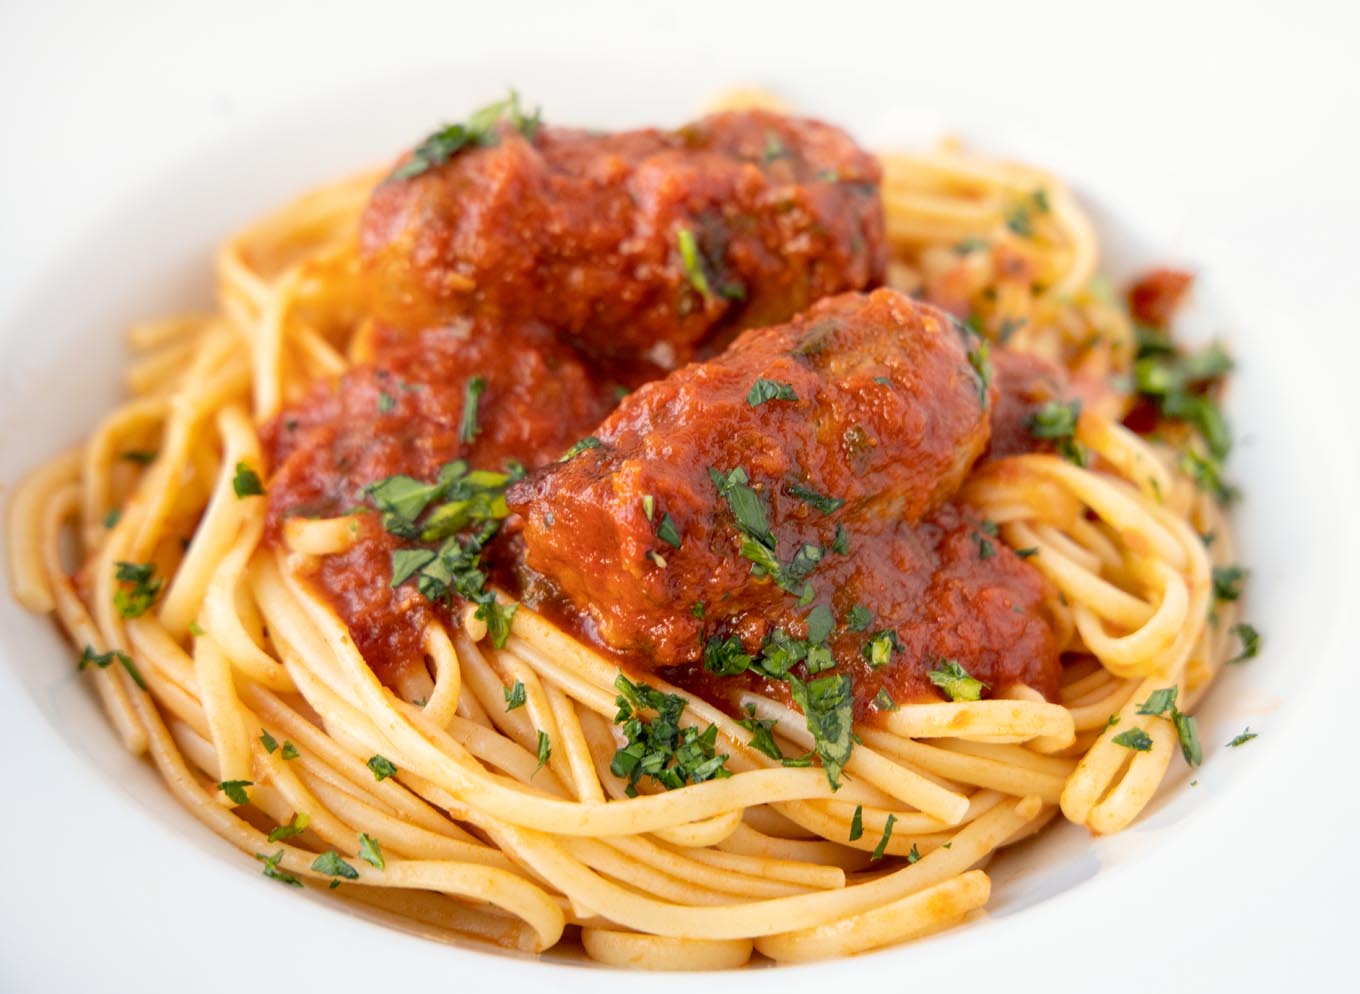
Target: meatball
[(641, 244), (720, 489)]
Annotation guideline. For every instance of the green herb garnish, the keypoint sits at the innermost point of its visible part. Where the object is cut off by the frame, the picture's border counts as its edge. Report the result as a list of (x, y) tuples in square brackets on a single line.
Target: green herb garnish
[(370, 851), (956, 682), (332, 865), (246, 482), (236, 790), (658, 747), (297, 826), (382, 767), (1058, 423), (472, 395), (1135, 739), (882, 846), (763, 390), (272, 871), (133, 602), (480, 130)]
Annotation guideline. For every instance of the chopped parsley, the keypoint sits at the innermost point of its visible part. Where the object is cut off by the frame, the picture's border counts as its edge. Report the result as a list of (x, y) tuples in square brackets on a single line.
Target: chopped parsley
[(382, 767), (857, 823), (1058, 423), (758, 541), (1026, 553), (883, 701), (667, 532), (103, 660), (1135, 739), (1188, 733), (142, 457), (1207, 474), (236, 790), (544, 751), (246, 482), (1159, 701), (762, 738), (133, 601), (268, 741), (272, 871), (841, 544), (956, 682), (1251, 642), (472, 395), (648, 506), (763, 390), (658, 747), (386, 402), (828, 705), (1246, 735), (820, 622), (914, 856), (726, 656), (818, 502), (980, 359), (1228, 582), (514, 696), (289, 751), (985, 547), (295, 827), (480, 130), (879, 648), (859, 619), (113, 517), (1018, 220), (694, 267), (332, 865), (589, 442), (882, 846), (370, 851), (459, 500), (1162, 703)]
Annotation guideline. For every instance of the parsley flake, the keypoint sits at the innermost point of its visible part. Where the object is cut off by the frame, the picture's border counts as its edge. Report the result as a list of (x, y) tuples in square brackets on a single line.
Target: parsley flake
[(236, 790), (544, 751), (472, 395), (1135, 739), (1058, 423), (272, 871), (657, 746), (882, 846), (246, 482), (382, 767), (370, 851), (818, 502), (133, 602), (1228, 582), (1246, 735), (514, 696), (1251, 642), (333, 865), (764, 390), (956, 682), (297, 826), (589, 442)]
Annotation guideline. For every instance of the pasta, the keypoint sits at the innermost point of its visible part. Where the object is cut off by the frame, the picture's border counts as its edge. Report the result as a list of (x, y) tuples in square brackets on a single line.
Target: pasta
[(435, 802)]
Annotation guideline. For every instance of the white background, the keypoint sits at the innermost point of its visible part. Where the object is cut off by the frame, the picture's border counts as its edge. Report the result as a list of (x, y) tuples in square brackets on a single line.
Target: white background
[(1241, 118)]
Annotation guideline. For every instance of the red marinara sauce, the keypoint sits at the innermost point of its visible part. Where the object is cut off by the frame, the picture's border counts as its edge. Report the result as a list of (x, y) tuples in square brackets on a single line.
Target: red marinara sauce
[(404, 414)]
